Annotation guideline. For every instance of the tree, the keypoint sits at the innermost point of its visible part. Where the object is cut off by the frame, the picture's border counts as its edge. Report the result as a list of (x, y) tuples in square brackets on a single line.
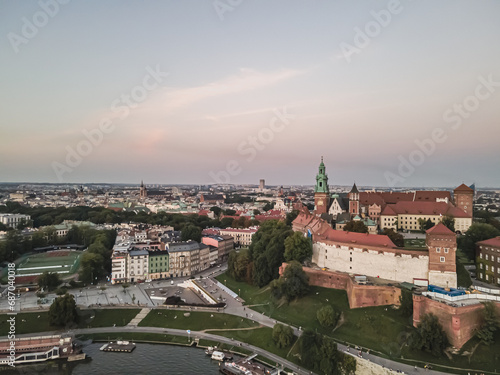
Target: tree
[(91, 267), (293, 284), (63, 311), (449, 222), (216, 210), (476, 232), (297, 247), (191, 232), (290, 217), (356, 226), (49, 280), (268, 206), (406, 303), (429, 336), (267, 251), (226, 222), (237, 264), (394, 236), (428, 224), (327, 316), (282, 335), (490, 324)]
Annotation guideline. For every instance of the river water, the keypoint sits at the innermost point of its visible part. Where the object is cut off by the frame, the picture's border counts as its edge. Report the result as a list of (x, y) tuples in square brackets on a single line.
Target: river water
[(145, 359)]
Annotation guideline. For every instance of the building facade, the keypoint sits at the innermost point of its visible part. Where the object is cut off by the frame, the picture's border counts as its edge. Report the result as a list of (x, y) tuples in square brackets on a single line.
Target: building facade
[(241, 237), (488, 261), (159, 264), (13, 220)]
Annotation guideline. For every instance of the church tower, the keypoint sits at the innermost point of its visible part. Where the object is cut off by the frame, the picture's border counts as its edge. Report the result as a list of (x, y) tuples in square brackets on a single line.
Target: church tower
[(464, 198), (321, 191), (442, 245), (354, 201), (143, 193)]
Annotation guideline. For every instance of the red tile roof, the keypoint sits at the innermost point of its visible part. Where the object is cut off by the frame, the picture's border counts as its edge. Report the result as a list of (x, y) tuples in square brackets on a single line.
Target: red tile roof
[(495, 242), (440, 228), (358, 238), (427, 208), (464, 188)]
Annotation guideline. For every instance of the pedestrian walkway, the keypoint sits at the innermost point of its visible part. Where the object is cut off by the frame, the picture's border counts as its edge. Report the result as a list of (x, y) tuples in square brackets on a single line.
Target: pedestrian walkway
[(142, 314)]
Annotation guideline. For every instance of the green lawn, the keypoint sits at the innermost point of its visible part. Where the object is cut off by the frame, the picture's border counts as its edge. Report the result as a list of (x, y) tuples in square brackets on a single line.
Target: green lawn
[(26, 323), (106, 317), (415, 244), (381, 329), (39, 321), (196, 321)]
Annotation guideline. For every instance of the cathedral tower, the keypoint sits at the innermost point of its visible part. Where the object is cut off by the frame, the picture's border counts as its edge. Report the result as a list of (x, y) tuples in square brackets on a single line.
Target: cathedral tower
[(354, 200), (321, 191)]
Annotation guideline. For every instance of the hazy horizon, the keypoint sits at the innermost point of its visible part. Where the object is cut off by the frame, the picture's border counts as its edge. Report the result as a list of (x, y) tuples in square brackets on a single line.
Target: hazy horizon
[(390, 93)]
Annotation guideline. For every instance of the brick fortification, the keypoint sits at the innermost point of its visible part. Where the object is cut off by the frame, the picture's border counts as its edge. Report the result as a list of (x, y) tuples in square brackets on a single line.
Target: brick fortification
[(358, 295), (459, 323)]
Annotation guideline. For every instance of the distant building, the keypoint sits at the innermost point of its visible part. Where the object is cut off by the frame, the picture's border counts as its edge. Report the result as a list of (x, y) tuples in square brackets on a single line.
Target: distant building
[(488, 261), (184, 258), (214, 199), (138, 265), (406, 215), (262, 184), (159, 264), (13, 220), (223, 243), (241, 237)]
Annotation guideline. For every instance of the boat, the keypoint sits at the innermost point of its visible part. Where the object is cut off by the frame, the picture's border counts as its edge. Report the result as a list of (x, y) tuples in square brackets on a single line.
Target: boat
[(39, 349), (245, 366), (210, 350), (218, 356), (118, 346)]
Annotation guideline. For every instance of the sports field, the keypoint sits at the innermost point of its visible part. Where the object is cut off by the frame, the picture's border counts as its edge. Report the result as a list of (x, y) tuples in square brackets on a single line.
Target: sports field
[(64, 262)]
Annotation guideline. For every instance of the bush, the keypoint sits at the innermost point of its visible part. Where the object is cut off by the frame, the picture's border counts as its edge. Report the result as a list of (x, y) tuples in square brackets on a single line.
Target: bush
[(327, 316)]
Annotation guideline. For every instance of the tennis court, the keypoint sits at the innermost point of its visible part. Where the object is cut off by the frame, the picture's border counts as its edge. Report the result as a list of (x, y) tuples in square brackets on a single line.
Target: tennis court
[(64, 262)]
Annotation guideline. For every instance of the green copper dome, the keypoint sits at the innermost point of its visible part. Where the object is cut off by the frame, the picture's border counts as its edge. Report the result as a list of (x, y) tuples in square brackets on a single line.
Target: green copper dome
[(321, 179)]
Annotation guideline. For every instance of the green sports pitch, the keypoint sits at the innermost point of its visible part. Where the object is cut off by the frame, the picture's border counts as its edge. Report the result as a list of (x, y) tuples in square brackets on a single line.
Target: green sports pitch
[(63, 262)]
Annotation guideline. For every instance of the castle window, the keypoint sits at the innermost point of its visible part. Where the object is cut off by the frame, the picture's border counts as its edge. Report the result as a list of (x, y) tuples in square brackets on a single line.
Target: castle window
[(481, 255), (446, 250), (487, 268), (486, 256), (481, 275), (492, 269), (441, 259), (481, 265), (487, 277), (438, 249)]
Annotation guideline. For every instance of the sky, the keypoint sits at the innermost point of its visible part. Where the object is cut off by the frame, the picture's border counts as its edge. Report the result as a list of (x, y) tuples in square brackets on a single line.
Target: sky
[(390, 93)]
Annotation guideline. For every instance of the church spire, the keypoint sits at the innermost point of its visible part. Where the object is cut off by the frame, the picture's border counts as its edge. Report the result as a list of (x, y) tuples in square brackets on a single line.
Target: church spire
[(321, 179)]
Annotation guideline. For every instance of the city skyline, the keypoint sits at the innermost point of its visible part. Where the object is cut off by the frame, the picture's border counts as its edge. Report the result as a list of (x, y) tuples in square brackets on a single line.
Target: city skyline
[(391, 93)]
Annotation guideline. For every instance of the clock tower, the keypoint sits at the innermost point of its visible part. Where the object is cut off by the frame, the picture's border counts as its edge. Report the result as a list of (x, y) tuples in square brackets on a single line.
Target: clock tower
[(321, 191)]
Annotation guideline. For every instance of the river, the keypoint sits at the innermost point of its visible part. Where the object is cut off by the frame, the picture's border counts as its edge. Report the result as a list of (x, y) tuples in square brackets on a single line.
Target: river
[(145, 359)]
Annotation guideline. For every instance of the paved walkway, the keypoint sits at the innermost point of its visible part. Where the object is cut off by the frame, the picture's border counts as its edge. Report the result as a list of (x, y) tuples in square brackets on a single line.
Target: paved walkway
[(142, 314)]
